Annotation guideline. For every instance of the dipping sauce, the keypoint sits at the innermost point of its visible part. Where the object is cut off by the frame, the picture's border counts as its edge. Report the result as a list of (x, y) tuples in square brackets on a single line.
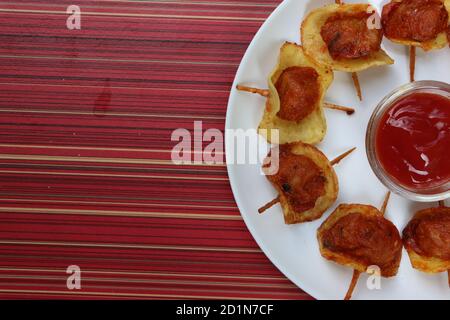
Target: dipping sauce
[(413, 141)]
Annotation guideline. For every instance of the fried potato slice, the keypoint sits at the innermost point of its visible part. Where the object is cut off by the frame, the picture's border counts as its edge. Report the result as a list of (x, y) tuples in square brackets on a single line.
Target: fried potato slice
[(361, 263), (317, 48), (419, 261), (439, 42), (311, 129), (322, 203)]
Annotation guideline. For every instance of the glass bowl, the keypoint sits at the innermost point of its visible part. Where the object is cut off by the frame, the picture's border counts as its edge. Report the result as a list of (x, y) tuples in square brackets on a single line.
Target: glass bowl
[(435, 193)]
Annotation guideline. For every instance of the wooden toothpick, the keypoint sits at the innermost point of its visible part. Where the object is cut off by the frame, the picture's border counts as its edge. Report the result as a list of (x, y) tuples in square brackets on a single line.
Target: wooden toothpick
[(412, 63), (266, 93)]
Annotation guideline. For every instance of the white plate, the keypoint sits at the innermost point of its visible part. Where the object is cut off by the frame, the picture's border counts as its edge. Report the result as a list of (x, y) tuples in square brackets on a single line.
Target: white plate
[(294, 249)]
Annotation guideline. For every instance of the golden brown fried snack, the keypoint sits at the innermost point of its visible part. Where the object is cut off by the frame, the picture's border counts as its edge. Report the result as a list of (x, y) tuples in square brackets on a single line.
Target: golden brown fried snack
[(358, 236), (418, 23), (348, 37), (427, 240), (298, 119), (337, 36), (306, 182)]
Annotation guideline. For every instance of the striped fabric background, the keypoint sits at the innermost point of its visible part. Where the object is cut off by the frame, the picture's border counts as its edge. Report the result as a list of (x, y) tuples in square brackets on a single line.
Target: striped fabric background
[(86, 118)]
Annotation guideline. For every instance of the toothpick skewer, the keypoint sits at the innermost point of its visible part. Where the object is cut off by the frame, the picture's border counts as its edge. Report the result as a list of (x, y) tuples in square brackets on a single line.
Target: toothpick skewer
[(357, 85), (385, 203), (261, 92), (412, 63), (277, 199), (333, 106), (266, 93), (356, 273), (353, 284), (342, 156), (269, 205)]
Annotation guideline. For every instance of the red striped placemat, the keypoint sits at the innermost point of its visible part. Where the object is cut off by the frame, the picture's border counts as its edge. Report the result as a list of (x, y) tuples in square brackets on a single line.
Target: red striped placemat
[(86, 177)]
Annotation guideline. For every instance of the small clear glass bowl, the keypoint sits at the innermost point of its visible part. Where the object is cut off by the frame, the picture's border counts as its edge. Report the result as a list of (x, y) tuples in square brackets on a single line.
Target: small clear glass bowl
[(435, 193)]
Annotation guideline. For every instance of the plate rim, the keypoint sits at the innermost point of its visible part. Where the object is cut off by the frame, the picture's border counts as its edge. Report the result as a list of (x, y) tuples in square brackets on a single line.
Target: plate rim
[(284, 270), (273, 253)]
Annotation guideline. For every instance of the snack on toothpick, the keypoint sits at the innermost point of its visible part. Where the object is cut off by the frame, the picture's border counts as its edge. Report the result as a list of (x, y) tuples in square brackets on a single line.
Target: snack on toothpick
[(338, 36), (427, 240), (306, 182), (417, 23), (358, 236), (295, 98)]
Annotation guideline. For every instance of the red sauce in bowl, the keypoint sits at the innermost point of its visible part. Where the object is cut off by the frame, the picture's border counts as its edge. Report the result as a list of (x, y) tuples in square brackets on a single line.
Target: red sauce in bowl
[(413, 141)]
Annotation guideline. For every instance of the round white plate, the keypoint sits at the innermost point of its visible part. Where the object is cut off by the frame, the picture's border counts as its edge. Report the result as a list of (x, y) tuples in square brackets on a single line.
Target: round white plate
[(294, 249)]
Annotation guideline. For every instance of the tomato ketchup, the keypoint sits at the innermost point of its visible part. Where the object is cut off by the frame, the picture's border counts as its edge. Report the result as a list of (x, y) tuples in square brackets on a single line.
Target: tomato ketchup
[(413, 140)]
